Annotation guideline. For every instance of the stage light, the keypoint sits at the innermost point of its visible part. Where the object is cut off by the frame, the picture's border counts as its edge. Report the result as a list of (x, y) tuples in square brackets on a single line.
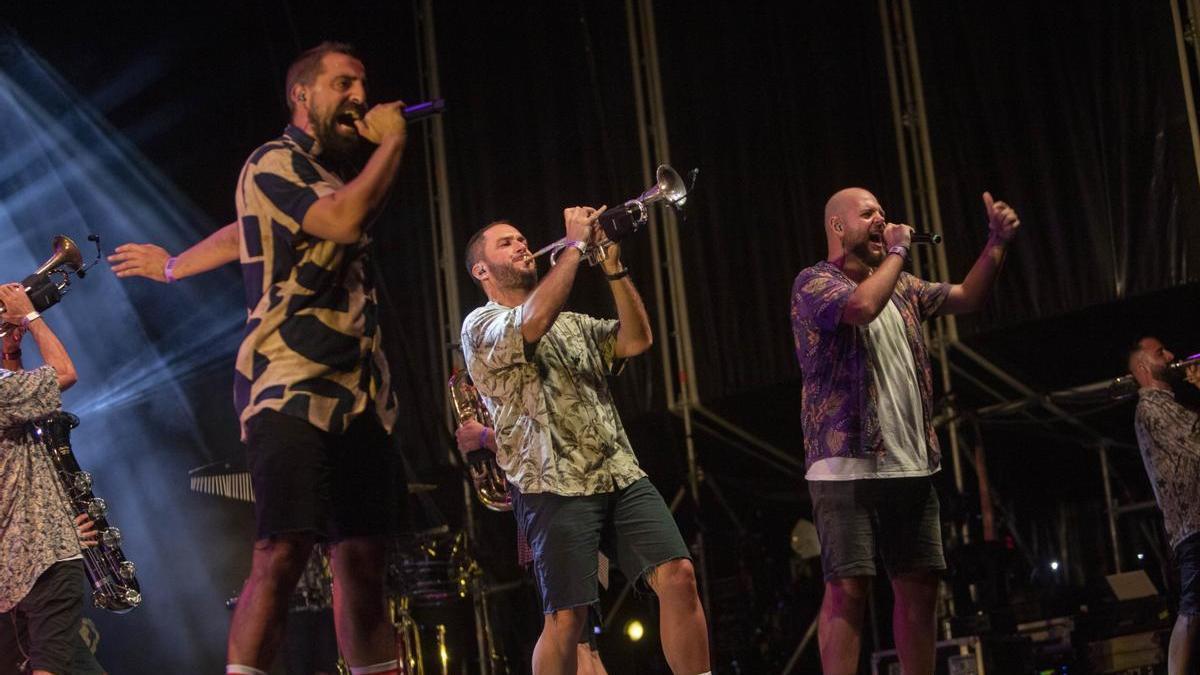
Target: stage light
[(1054, 565), (634, 630), (1141, 556)]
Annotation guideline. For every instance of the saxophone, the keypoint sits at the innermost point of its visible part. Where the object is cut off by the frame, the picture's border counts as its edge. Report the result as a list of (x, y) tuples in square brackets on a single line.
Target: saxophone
[(490, 485), (114, 586)]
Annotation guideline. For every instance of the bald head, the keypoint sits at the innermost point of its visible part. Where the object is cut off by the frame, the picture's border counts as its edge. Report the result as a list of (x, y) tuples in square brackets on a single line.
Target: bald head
[(1148, 360), (846, 199)]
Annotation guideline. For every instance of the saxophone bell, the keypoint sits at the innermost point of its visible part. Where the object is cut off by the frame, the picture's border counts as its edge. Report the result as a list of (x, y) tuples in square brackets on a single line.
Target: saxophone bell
[(491, 488)]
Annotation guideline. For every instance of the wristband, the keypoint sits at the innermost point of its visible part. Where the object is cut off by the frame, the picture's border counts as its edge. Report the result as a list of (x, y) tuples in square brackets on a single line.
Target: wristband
[(30, 318), (12, 356), (169, 270), (617, 275), (483, 438), (578, 246), (899, 250)]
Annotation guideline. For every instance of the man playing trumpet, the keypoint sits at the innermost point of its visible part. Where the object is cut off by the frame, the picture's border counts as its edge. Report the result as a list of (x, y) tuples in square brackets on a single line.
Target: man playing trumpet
[(576, 484)]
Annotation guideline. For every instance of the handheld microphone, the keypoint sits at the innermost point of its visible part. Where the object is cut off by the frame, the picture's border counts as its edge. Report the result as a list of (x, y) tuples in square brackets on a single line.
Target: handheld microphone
[(927, 238), (419, 111)]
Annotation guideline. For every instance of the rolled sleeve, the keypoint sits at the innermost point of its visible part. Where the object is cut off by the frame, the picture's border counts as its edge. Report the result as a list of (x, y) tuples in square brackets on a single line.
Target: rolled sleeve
[(28, 395), (493, 346), (820, 297), (290, 182), (928, 296), (602, 333)]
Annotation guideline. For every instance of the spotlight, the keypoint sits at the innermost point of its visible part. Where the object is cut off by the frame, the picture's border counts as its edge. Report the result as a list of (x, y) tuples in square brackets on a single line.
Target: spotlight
[(1054, 565), (1141, 556), (634, 630)]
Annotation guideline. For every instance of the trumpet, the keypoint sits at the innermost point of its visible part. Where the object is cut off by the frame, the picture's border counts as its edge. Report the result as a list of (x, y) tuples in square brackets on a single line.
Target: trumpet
[(43, 288), (490, 485), (619, 222)]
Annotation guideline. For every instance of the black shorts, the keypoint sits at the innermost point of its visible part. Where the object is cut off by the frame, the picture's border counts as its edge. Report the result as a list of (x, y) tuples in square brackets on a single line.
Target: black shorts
[(1187, 555), (896, 519), (311, 481), (632, 526), (44, 626)]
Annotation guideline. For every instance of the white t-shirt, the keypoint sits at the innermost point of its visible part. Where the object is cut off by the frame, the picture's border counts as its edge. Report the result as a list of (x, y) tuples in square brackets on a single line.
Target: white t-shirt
[(898, 407)]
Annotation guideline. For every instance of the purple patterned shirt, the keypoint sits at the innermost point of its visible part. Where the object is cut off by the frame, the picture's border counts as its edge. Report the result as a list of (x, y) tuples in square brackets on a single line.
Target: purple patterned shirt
[(839, 398)]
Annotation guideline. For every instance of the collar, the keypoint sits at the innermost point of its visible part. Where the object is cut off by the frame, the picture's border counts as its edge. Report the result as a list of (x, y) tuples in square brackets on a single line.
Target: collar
[(1155, 391), (307, 143)]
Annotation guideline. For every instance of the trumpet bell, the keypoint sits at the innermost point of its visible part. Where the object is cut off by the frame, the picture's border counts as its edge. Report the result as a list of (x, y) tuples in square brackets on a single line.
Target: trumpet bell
[(628, 218), (668, 187), (66, 254)]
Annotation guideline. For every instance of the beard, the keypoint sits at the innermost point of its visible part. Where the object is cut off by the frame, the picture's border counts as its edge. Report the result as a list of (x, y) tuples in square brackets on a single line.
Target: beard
[(337, 144), (508, 276), (870, 256)]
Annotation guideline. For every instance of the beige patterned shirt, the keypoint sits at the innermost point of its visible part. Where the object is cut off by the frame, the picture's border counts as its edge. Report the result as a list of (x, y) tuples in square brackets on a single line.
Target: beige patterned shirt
[(312, 347), (557, 429), (36, 523)]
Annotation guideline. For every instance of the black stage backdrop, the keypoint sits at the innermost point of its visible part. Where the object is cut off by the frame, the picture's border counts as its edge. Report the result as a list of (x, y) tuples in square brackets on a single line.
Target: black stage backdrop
[(1071, 111)]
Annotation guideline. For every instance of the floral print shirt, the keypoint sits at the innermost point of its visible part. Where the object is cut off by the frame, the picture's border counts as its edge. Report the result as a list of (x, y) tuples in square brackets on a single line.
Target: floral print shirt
[(37, 526), (838, 402), (1169, 437), (557, 429)]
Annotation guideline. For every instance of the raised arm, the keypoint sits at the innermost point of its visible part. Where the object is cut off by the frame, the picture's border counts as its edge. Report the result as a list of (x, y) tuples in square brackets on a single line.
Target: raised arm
[(19, 314), (973, 292), (633, 334), (340, 216), (542, 306), (150, 260), (872, 295)]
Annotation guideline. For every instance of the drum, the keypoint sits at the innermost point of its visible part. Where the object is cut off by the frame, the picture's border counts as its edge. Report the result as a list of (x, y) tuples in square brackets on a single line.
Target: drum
[(430, 571)]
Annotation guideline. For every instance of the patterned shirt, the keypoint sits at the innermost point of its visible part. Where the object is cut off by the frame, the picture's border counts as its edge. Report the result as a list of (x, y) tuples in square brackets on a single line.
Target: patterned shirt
[(37, 526), (557, 429), (839, 399), (312, 346), (1169, 437)]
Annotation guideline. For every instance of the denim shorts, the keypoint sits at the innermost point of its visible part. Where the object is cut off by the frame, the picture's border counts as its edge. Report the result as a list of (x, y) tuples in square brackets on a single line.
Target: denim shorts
[(632, 526), (895, 519), (1187, 554)]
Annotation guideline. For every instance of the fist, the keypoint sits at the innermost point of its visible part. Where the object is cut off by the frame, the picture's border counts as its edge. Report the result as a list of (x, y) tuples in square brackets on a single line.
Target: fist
[(1192, 374), (383, 120), (897, 234), (467, 436), (578, 222), (1002, 219), (16, 303)]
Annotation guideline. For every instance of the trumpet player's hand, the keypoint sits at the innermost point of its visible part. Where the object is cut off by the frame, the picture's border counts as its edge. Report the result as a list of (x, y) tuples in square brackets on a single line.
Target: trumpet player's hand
[(85, 527), (612, 259), (140, 260), (383, 120), (1192, 374), (16, 303), (580, 222), (468, 436)]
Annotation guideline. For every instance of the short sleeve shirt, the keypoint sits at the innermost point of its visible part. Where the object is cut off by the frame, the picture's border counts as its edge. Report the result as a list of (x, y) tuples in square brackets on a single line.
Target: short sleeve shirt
[(312, 347), (37, 526), (1169, 437), (840, 398), (557, 429)]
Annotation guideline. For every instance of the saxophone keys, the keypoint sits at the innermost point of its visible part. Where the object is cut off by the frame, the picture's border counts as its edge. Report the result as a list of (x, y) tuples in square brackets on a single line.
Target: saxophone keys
[(97, 509), (111, 537)]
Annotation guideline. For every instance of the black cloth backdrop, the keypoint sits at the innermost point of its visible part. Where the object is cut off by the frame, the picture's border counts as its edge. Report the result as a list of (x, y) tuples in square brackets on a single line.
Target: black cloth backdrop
[(1070, 111)]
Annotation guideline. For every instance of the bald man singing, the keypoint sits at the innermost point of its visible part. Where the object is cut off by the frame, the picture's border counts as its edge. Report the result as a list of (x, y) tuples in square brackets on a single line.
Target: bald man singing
[(870, 449)]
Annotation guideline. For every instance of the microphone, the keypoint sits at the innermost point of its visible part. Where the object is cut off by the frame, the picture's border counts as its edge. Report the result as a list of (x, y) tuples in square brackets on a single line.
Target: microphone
[(419, 111), (927, 238)]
